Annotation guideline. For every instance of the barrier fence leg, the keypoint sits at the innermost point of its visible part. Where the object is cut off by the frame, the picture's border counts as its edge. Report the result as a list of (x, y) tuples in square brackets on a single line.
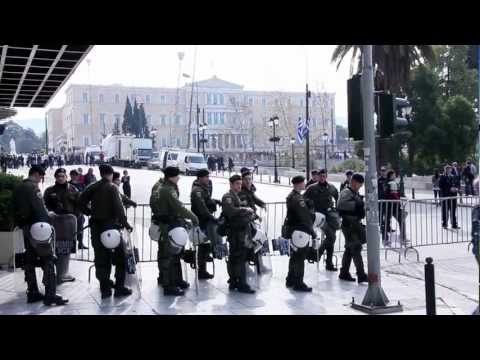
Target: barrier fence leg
[(430, 287)]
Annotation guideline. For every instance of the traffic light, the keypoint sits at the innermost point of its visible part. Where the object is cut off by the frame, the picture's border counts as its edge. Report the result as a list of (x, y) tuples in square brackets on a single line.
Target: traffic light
[(392, 114), (355, 108), (2, 128)]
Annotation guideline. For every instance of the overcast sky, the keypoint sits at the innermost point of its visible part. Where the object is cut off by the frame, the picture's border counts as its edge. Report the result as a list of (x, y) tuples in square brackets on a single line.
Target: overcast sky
[(256, 67)]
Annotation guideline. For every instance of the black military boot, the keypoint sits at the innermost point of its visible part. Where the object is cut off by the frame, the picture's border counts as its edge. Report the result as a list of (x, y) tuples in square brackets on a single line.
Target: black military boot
[(362, 278), (204, 275), (122, 291), (346, 277), (245, 288), (56, 299), (330, 267), (106, 289), (232, 284), (173, 291), (302, 287), (34, 296), (289, 282), (182, 284)]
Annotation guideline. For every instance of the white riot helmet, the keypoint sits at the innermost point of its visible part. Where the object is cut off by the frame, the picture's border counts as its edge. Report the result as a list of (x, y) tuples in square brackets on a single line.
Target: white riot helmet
[(154, 232), (319, 220), (300, 240), (41, 232), (197, 236), (178, 238), (110, 238)]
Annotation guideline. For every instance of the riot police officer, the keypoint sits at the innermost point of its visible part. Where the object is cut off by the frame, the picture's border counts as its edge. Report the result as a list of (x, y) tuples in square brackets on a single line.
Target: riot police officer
[(321, 196), (169, 214), (238, 220), (31, 215), (299, 220), (314, 178), (106, 214), (204, 207), (352, 209), (247, 193)]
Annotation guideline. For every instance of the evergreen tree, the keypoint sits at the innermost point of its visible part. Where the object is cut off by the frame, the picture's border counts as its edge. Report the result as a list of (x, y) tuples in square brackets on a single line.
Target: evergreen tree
[(143, 122), (127, 118), (136, 120)]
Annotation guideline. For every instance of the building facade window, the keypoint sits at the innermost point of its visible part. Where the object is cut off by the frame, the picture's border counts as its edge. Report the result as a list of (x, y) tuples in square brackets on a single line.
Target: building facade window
[(86, 140), (164, 142), (215, 118), (220, 99), (222, 118), (85, 98), (149, 120), (117, 99), (163, 100), (100, 99), (103, 122), (209, 118), (86, 119), (250, 101), (233, 141), (162, 120), (226, 141), (239, 141), (178, 142), (220, 142), (147, 99), (264, 102), (214, 142), (178, 119)]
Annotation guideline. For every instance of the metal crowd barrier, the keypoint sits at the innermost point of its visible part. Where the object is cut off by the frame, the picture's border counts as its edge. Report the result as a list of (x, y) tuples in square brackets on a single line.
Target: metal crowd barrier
[(413, 223)]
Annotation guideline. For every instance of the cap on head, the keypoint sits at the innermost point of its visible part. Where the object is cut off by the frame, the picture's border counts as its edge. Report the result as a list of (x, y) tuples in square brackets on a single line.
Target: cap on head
[(349, 173), (298, 179), (60, 171), (358, 178), (234, 178), (171, 171), (202, 173), (244, 170), (104, 170)]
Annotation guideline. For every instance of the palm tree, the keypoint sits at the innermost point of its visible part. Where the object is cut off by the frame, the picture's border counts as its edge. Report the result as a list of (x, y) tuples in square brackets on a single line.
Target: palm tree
[(393, 62)]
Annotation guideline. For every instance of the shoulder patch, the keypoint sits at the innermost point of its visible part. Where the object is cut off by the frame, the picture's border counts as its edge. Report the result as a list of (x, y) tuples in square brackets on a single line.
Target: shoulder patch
[(39, 195), (174, 194), (302, 203), (228, 200), (199, 194)]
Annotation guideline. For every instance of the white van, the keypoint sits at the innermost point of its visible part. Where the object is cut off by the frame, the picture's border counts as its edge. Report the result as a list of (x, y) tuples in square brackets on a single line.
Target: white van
[(189, 162)]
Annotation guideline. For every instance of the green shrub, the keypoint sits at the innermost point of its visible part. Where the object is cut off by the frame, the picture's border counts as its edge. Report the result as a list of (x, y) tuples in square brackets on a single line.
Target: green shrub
[(356, 165), (7, 185)]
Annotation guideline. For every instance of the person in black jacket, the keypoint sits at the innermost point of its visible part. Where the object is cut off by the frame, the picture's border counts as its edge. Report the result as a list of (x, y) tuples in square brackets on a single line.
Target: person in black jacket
[(385, 227), (28, 209), (127, 189), (299, 217), (449, 185)]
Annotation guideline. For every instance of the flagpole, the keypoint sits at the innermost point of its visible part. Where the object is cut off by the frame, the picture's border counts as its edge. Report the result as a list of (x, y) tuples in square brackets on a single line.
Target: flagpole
[(307, 142)]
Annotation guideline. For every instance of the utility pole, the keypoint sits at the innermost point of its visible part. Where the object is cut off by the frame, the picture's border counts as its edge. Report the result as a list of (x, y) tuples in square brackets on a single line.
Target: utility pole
[(203, 132), (177, 96), (90, 98), (307, 123), (375, 300), (46, 135), (191, 99), (198, 131)]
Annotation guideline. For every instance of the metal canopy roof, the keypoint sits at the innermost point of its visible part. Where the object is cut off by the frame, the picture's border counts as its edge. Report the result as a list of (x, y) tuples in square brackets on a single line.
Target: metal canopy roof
[(31, 75)]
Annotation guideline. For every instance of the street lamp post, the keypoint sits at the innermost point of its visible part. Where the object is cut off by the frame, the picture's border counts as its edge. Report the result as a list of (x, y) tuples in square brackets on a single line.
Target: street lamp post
[(292, 141), (273, 122), (198, 131), (325, 139), (203, 127)]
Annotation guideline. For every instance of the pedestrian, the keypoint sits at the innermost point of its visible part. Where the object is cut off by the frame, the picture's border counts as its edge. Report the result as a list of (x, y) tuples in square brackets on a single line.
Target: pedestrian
[(436, 186), (230, 165), (89, 177), (255, 166), (300, 224), (238, 220), (449, 186), (314, 178), (127, 190), (62, 199), (74, 181), (348, 174), (385, 227), (81, 177), (169, 214), (322, 197), (32, 217), (468, 176), (394, 206), (101, 201), (125, 199), (352, 210), (204, 207)]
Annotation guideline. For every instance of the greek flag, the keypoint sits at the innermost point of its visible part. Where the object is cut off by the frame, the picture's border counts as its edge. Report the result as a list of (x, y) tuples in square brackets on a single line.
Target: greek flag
[(302, 130)]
